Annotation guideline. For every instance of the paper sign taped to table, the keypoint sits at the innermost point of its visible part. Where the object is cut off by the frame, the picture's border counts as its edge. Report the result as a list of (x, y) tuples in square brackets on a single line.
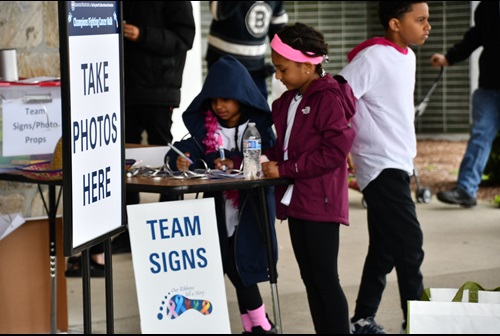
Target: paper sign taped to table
[(178, 267), (32, 124)]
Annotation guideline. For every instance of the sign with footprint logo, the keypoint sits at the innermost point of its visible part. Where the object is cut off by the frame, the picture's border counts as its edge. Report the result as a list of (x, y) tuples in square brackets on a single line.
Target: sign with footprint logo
[(178, 267)]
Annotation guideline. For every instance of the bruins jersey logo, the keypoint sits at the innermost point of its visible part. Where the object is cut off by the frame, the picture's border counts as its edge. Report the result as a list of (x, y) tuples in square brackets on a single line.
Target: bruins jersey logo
[(258, 18)]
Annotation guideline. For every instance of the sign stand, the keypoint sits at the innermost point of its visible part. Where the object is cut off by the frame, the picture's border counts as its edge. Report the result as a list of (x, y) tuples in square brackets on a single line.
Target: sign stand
[(91, 56)]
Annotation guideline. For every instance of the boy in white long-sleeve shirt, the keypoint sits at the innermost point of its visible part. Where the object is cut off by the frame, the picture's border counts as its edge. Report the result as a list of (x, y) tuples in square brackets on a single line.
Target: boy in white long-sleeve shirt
[(381, 72)]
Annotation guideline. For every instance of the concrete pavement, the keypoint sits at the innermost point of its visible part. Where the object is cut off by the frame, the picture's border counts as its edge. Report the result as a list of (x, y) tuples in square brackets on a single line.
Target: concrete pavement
[(460, 245)]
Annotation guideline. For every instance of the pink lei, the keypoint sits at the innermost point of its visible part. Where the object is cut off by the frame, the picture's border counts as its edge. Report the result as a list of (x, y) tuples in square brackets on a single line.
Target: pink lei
[(211, 126), (210, 141)]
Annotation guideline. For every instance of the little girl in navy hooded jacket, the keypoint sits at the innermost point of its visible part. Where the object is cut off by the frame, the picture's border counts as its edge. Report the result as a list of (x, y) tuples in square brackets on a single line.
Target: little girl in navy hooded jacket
[(241, 240)]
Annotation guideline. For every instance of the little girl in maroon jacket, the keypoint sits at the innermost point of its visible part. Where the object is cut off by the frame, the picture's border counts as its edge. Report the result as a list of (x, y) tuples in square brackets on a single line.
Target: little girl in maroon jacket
[(313, 141)]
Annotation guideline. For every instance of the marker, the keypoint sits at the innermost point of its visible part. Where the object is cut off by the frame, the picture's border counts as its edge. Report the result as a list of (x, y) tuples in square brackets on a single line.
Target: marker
[(180, 153), (221, 151)]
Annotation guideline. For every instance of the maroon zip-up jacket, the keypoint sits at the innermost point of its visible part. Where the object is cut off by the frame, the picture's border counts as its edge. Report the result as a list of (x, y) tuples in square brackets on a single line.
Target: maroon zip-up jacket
[(320, 141)]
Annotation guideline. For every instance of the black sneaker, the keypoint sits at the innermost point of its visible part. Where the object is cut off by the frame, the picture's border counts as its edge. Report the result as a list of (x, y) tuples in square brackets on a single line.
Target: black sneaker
[(260, 330), (456, 196), (403, 328), (367, 326)]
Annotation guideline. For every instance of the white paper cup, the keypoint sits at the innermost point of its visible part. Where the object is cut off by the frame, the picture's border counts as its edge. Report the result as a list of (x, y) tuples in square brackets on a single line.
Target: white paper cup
[(8, 65)]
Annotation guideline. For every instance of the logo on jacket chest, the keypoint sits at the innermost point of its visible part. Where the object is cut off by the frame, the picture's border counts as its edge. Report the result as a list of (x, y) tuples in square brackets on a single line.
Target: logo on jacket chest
[(258, 19)]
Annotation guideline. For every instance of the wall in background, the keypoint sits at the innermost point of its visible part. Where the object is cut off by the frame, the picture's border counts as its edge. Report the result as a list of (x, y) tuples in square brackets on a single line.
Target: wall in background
[(347, 23), (31, 28)]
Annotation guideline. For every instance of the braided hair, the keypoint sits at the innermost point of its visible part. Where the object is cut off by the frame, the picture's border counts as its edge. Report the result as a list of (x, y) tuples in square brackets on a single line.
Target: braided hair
[(307, 40)]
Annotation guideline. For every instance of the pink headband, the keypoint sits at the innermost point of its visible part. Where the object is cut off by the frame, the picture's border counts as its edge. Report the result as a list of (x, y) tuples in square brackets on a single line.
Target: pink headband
[(292, 54)]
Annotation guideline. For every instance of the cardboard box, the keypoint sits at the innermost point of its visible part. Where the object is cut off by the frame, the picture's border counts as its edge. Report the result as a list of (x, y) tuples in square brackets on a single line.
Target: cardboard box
[(26, 282)]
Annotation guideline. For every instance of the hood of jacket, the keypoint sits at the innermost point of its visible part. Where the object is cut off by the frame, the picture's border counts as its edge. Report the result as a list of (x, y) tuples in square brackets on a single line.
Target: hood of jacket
[(229, 79), (374, 41), (347, 96)]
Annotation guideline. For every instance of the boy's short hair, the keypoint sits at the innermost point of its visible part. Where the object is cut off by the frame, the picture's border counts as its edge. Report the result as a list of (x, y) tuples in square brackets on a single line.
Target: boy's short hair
[(388, 10)]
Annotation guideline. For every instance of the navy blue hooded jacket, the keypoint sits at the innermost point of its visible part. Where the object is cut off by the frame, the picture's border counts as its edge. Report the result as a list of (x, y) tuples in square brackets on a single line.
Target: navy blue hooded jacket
[(229, 79)]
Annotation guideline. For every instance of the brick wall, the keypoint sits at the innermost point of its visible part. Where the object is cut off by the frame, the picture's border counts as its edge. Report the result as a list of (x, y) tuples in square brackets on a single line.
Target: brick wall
[(30, 27)]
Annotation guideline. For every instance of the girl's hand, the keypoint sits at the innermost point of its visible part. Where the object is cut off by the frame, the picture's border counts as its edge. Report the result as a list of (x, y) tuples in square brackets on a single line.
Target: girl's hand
[(227, 162), (351, 167), (270, 169), (181, 163)]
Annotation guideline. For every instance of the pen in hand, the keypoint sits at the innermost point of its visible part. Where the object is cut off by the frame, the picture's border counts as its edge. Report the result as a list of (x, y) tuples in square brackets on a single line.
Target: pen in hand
[(180, 153), (221, 151)]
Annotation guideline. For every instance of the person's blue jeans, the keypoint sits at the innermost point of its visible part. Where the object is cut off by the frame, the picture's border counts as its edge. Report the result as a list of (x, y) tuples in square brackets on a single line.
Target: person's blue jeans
[(485, 126)]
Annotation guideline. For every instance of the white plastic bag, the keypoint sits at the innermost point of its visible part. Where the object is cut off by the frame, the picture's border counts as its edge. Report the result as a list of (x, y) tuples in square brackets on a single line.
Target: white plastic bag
[(471, 309)]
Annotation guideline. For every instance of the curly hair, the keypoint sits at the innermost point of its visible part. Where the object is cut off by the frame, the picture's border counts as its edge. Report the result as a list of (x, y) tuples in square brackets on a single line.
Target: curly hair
[(307, 40)]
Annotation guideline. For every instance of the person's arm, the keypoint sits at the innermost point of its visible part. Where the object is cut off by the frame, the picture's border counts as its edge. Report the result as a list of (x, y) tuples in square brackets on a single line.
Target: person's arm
[(336, 142), (472, 39), (462, 50), (176, 161), (439, 60), (269, 168)]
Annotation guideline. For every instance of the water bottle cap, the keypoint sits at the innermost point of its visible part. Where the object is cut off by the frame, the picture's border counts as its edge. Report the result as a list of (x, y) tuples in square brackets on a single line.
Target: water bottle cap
[(251, 123)]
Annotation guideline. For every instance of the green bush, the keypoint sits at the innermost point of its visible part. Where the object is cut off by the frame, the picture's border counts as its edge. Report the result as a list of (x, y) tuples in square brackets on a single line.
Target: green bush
[(492, 170)]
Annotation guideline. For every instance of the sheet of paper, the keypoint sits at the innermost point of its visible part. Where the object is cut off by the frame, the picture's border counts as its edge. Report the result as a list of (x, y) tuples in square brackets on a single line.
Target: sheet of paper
[(150, 156), (285, 200), (219, 174), (32, 124), (10, 222)]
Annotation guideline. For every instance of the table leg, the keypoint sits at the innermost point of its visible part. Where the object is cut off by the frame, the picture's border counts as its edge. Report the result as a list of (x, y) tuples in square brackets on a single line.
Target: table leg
[(51, 211), (270, 257)]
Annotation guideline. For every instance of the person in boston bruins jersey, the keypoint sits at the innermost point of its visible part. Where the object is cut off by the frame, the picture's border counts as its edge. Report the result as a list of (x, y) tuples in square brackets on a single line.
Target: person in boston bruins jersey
[(240, 29)]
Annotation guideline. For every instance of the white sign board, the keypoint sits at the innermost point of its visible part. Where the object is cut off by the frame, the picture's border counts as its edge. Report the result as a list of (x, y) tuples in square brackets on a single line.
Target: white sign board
[(93, 133), (149, 156), (178, 267), (96, 162)]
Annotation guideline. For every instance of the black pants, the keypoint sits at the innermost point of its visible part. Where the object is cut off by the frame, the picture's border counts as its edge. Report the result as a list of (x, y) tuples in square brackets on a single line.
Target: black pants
[(316, 248), (249, 298), (157, 122), (396, 241)]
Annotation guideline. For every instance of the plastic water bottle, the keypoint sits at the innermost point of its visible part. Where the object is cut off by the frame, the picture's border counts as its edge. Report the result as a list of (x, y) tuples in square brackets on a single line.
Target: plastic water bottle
[(251, 152)]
